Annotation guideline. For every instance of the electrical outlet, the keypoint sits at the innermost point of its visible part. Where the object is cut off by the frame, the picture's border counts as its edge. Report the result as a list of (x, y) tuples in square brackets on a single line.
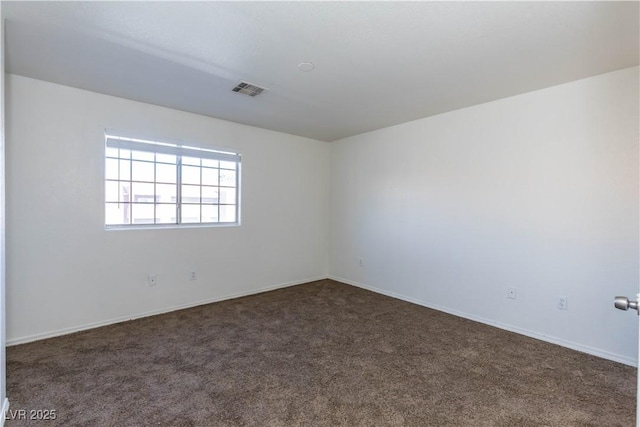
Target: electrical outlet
[(192, 275), (152, 279), (512, 293), (563, 303)]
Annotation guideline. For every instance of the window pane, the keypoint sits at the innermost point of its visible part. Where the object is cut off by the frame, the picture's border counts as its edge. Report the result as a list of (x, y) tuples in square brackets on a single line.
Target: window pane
[(209, 195), (117, 213), (190, 213), (228, 196), (166, 214), (227, 213), (111, 169), (195, 161), (166, 173), (143, 193), (125, 154), (227, 178), (112, 191), (125, 191), (166, 158), (209, 213), (209, 176), (166, 193), (110, 152), (210, 163), (125, 170), (143, 155), (190, 175), (228, 165), (142, 171), (190, 194), (142, 213), (116, 191)]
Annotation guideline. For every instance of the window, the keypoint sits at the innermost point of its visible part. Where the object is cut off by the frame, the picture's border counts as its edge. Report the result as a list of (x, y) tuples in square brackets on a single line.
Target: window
[(155, 183)]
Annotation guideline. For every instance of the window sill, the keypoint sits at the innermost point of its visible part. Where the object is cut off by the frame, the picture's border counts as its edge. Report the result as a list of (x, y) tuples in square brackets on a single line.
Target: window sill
[(169, 226)]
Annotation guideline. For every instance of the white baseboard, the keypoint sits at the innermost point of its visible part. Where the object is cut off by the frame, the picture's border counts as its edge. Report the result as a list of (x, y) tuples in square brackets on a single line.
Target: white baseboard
[(532, 334), (5, 410), (66, 331)]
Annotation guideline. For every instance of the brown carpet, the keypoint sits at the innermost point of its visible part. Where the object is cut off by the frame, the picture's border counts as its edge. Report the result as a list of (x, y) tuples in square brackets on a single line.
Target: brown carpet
[(319, 354)]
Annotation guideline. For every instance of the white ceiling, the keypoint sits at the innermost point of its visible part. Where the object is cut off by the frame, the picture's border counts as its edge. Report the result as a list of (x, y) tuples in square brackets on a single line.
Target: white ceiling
[(377, 63)]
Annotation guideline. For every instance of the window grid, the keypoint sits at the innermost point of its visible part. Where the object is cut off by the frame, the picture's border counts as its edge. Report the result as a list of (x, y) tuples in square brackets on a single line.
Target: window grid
[(131, 201)]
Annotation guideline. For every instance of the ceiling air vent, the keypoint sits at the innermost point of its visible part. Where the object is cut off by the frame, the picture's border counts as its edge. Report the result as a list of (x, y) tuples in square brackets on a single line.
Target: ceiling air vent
[(249, 89)]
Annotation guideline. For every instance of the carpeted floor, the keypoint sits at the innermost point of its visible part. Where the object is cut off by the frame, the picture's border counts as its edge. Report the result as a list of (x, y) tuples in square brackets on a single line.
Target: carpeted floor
[(319, 354)]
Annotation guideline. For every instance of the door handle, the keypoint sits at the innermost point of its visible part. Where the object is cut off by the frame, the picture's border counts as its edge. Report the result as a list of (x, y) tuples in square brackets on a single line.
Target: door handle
[(623, 303)]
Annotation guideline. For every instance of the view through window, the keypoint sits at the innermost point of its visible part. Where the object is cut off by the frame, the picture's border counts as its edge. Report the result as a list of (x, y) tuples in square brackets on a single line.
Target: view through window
[(155, 183)]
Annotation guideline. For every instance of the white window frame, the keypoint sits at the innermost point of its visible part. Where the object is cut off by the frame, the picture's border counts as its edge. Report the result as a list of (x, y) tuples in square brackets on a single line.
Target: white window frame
[(116, 141)]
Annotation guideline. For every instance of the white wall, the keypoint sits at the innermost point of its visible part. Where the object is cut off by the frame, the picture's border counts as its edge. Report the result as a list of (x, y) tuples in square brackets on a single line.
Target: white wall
[(537, 191), (65, 272), (3, 385)]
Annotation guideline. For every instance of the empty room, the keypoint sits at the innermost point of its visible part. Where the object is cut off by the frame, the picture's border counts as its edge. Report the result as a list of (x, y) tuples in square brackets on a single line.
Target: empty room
[(319, 213)]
